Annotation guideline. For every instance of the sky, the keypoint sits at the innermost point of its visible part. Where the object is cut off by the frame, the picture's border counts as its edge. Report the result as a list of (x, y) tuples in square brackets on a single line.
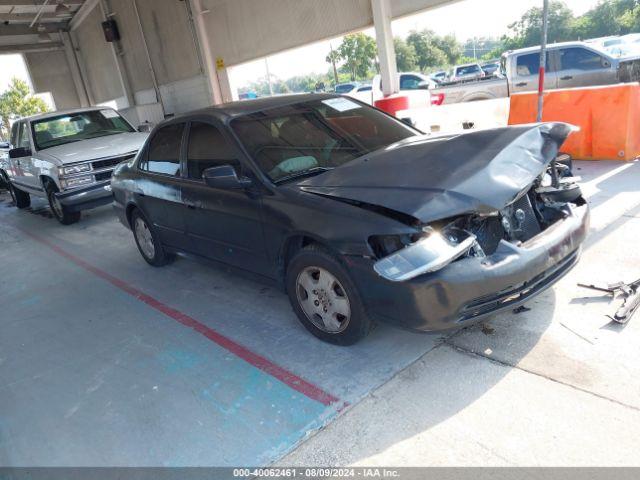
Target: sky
[(464, 19)]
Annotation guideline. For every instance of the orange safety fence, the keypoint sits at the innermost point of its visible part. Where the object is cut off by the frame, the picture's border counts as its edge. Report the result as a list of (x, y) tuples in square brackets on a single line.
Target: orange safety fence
[(608, 117)]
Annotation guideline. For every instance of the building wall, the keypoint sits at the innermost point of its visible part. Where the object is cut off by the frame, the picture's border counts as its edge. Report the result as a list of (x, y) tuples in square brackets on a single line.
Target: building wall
[(50, 72), (98, 59)]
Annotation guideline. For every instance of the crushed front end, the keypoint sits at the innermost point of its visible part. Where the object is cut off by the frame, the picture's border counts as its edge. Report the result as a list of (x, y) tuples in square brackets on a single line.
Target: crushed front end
[(465, 268)]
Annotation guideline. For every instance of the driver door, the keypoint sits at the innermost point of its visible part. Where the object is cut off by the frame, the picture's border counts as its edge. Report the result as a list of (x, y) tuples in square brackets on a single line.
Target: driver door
[(22, 166), (222, 225)]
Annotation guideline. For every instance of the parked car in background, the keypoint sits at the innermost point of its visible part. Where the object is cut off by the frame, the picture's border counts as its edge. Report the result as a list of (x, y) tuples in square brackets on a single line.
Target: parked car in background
[(491, 69), (439, 77), (4, 156), (414, 85), (570, 64), (346, 88), (68, 157), (359, 217), (470, 71)]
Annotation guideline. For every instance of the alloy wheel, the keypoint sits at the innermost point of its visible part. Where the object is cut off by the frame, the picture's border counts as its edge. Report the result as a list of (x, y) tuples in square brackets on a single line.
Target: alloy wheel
[(144, 238), (323, 299)]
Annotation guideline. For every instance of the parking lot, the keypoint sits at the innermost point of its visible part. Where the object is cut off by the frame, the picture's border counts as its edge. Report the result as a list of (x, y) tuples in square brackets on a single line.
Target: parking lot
[(105, 360)]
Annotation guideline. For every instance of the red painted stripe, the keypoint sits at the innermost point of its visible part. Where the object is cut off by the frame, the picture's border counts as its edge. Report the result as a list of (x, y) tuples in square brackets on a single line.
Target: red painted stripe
[(288, 378), (541, 80)]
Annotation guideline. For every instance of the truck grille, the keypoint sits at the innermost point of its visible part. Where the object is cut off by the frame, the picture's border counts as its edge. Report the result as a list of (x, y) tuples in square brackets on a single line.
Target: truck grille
[(111, 162), (103, 176)]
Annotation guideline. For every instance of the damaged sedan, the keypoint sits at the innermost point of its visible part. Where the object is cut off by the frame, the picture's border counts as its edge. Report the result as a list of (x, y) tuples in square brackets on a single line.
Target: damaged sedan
[(358, 216)]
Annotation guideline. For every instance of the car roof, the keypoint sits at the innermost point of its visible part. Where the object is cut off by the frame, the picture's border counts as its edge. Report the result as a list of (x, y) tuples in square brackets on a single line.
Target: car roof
[(57, 113), (226, 111), (552, 46), (472, 64)]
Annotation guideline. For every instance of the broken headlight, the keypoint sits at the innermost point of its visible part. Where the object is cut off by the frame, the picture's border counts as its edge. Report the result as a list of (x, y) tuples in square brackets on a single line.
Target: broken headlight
[(433, 251)]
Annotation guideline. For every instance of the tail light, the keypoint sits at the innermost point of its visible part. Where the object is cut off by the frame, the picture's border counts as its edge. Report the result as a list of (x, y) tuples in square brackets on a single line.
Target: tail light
[(437, 99)]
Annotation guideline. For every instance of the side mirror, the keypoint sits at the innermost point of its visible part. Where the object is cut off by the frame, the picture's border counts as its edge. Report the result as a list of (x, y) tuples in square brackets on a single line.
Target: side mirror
[(145, 127), (20, 152), (423, 85), (224, 177)]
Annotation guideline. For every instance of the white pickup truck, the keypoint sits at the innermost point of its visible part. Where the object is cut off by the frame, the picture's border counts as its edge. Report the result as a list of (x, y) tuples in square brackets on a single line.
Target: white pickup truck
[(68, 157), (569, 65)]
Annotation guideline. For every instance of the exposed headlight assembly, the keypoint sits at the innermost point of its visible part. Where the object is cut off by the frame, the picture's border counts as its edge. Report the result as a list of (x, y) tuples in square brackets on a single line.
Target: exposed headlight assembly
[(77, 181), (433, 251), (73, 169)]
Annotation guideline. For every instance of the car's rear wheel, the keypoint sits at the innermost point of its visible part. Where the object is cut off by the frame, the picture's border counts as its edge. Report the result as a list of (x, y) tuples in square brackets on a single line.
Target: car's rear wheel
[(324, 297), (148, 241), (20, 199), (62, 213)]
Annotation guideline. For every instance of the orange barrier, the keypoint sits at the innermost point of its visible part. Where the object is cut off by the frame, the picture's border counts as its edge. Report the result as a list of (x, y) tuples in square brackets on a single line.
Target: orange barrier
[(392, 104), (608, 117)]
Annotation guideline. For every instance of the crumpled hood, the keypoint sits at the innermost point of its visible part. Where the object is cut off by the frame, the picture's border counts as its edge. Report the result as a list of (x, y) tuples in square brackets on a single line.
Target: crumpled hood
[(432, 178), (100, 147)]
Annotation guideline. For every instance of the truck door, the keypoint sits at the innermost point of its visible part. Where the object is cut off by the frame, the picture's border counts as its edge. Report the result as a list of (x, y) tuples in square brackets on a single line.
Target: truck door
[(582, 67), (20, 171), (525, 76)]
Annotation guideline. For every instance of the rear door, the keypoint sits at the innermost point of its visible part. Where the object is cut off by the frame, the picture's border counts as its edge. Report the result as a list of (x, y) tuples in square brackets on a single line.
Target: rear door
[(582, 67), (159, 194), (223, 225), (526, 73)]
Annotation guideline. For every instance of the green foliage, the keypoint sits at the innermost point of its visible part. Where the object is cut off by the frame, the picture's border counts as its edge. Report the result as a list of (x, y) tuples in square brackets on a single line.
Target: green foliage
[(17, 102), (358, 51), (428, 54), (406, 58)]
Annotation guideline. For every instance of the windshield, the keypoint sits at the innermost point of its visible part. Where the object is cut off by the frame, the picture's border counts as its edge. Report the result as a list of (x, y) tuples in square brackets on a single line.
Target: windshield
[(314, 136), (73, 127), (468, 70), (344, 88)]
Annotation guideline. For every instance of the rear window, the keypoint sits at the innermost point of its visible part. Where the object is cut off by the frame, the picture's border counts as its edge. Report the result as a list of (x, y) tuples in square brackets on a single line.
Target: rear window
[(344, 88), (529, 64), (315, 135)]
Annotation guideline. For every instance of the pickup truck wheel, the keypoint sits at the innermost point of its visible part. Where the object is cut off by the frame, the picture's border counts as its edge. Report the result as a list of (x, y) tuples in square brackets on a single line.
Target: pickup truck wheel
[(20, 199), (148, 241), (62, 213), (325, 299)]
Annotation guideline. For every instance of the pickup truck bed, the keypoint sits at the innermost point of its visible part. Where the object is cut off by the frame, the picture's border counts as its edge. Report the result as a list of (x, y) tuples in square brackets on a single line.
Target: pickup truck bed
[(471, 90)]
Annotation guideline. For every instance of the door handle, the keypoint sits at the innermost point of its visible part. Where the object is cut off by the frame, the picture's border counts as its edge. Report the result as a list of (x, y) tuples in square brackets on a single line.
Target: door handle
[(521, 84), (568, 77)]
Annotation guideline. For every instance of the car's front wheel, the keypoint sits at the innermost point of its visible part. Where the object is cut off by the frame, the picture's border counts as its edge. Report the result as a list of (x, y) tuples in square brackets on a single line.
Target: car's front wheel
[(62, 213), (324, 298), (148, 241)]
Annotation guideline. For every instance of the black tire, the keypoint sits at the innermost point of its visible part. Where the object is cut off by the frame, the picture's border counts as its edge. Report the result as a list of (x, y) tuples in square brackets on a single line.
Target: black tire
[(358, 323), (159, 257), (20, 199), (62, 213)]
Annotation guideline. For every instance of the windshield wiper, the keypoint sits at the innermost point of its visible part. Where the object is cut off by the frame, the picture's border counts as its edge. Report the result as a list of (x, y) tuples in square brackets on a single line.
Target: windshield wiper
[(303, 173)]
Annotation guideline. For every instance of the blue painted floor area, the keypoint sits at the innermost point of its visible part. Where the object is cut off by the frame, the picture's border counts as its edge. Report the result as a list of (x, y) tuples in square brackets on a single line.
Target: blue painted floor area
[(90, 375)]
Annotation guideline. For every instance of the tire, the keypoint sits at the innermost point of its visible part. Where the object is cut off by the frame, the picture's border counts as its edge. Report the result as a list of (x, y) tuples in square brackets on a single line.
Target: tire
[(148, 241), (20, 199), (62, 213), (333, 311)]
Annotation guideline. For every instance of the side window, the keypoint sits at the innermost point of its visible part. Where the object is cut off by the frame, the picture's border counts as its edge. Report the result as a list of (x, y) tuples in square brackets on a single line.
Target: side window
[(14, 134), (23, 137), (208, 148), (163, 155), (409, 82), (579, 59), (529, 64)]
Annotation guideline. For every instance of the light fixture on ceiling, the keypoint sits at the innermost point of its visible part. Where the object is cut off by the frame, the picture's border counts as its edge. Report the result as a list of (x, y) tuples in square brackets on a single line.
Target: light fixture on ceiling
[(43, 36), (62, 10)]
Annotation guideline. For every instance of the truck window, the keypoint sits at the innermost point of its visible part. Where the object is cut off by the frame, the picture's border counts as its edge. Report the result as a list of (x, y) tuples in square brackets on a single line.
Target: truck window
[(579, 59), (23, 137), (409, 82), (164, 151), (529, 64)]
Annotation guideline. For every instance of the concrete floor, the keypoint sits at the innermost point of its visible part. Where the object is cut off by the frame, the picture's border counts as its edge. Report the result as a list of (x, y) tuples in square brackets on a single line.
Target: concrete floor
[(107, 361)]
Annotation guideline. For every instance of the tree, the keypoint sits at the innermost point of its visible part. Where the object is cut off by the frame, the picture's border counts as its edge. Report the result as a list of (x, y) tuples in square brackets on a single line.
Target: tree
[(406, 60), (16, 102), (359, 53), (611, 17), (450, 47), (333, 58), (427, 52), (527, 30)]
